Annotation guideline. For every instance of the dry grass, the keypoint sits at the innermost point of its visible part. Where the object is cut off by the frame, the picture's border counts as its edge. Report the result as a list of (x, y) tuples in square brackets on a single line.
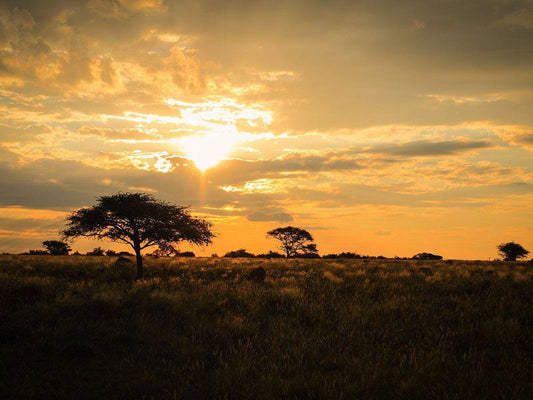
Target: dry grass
[(78, 327)]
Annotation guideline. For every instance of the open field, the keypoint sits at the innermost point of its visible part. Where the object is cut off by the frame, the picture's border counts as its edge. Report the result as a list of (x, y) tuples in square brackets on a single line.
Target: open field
[(78, 327)]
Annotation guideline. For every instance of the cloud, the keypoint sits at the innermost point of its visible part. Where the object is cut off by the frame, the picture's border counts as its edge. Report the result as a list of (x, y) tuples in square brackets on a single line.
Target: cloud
[(97, 96), (522, 17), (118, 134), (272, 214), (425, 148), (525, 139)]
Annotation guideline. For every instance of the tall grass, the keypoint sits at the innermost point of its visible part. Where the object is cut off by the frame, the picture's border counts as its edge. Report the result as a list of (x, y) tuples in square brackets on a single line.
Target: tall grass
[(79, 327)]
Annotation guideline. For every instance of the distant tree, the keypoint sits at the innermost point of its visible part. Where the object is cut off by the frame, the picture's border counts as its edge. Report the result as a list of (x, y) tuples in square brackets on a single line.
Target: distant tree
[(139, 220), (168, 250), (426, 256), (97, 251), (511, 251), (57, 247), (271, 254), (347, 254), (111, 253), (185, 254), (239, 253), (294, 241), (165, 250), (38, 253)]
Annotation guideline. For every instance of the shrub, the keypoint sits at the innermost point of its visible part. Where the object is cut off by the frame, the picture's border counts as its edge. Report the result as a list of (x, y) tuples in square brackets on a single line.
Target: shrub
[(239, 253), (270, 254), (426, 256)]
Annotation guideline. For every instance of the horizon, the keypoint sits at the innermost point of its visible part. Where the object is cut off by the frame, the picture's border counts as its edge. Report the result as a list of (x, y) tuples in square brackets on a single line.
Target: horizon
[(382, 129)]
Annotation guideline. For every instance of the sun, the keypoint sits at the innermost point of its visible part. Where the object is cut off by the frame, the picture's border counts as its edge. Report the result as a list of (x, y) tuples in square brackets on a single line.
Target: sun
[(208, 150)]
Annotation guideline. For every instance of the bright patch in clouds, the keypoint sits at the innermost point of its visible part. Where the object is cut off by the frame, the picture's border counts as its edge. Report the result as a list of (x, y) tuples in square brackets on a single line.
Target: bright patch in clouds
[(213, 128), (208, 150), (222, 126)]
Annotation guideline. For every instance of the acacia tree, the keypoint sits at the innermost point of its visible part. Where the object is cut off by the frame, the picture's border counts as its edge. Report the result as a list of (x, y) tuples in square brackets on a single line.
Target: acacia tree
[(140, 221), (294, 241), (57, 247), (511, 251)]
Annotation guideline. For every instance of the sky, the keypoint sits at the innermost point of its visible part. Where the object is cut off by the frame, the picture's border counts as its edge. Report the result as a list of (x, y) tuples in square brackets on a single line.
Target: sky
[(382, 127)]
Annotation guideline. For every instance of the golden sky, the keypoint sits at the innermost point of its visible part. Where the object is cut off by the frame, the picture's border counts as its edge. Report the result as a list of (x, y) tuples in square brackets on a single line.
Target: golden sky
[(382, 127)]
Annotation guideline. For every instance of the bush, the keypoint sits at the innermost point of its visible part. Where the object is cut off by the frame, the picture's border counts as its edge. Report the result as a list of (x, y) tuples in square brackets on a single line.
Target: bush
[(97, 251), (348, 254), (426, 256), (270, 254), (38, 253), (307, 255), (185, 254), (239, 253)]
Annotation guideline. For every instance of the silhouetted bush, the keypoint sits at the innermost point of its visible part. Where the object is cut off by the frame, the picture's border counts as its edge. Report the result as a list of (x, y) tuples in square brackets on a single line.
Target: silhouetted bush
[(185, 254), (307, 255), (348, 254), (270, 254), (38, 253), (97, 251), (239, 253), (426, 256)]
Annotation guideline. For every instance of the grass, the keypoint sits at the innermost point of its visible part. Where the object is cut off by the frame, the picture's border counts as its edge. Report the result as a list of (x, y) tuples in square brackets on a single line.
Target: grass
[(78, 327)]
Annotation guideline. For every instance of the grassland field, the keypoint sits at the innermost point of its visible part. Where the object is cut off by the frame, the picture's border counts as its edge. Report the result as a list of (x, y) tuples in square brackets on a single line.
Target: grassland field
[(78, 327)]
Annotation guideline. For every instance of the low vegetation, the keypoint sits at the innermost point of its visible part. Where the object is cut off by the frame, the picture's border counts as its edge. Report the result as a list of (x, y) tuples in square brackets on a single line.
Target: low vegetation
[(198, 328)]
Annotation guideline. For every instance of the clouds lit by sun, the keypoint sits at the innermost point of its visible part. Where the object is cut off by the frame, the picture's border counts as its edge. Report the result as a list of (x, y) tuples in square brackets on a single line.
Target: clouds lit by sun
[(209, 149), (206, 132), (350, 118)]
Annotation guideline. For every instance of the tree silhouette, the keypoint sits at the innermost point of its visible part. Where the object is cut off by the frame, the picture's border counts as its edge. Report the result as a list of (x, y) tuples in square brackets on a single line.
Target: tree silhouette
[(57, 247), (140, 221), (165, 250), (511, 251), (97, 251), (427, 256), (238, 254), (294, 241)]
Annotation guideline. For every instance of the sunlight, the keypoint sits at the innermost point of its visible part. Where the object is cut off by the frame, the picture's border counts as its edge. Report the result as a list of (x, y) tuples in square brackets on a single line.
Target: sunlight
[(208, 150)]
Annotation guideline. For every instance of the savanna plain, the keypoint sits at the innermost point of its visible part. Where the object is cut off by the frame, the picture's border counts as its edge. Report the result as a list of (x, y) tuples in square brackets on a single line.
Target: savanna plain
[(81, 327)]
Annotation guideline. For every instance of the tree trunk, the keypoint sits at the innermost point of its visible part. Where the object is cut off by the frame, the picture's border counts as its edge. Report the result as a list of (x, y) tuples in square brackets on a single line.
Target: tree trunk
[(139, 259)]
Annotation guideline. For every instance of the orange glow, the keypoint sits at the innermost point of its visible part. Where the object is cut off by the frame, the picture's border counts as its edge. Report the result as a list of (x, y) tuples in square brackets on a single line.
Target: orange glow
[(206, 151)]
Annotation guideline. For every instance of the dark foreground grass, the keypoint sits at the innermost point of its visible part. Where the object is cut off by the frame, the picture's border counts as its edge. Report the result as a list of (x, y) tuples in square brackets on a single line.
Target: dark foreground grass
[(78, 328)]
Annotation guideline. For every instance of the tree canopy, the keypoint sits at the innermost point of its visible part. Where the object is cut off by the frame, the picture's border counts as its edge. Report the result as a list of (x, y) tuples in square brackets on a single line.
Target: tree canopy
[(294, 241), (57, 247), (238, 253), (427, 256), (140, 221), (511, 251)]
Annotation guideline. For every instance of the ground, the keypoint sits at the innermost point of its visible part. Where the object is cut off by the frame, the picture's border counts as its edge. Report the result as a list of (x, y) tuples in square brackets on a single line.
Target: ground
[(79, 327)]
